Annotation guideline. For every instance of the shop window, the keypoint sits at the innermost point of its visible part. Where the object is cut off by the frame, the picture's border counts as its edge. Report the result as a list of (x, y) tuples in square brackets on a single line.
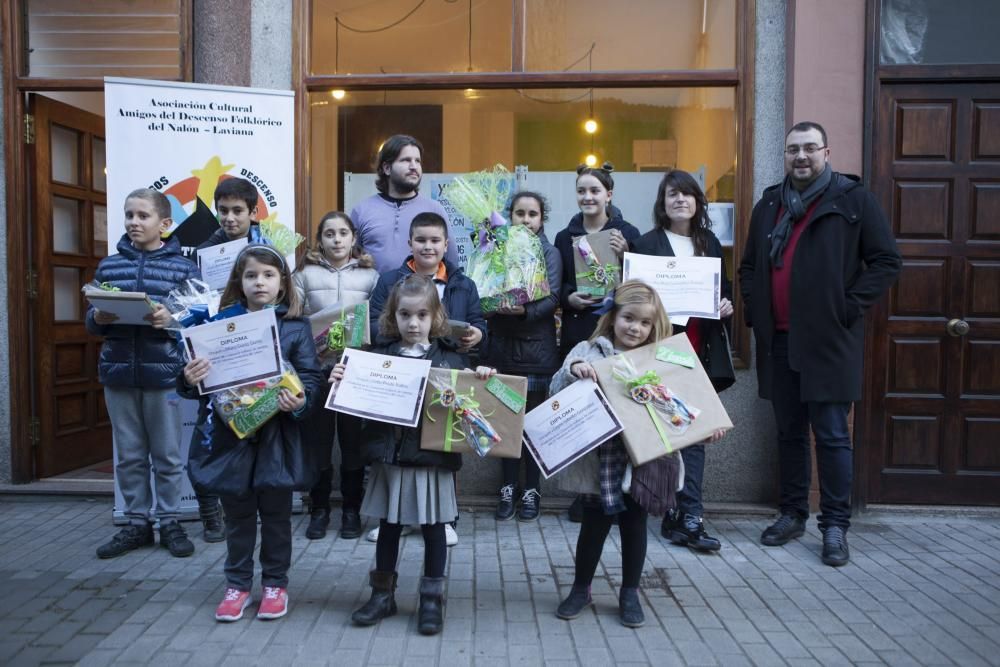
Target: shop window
[(539, 134), (69, 39)]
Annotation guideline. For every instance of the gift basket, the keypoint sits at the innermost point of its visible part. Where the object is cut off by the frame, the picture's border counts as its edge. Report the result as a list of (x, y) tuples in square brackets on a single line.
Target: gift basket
[(507, 263), (248, 407)]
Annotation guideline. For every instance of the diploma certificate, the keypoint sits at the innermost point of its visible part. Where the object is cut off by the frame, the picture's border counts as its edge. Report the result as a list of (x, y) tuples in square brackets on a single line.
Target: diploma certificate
[(380, 387), (688, 286), (216, 262), (130, 307), (568, 425), (241, 349)]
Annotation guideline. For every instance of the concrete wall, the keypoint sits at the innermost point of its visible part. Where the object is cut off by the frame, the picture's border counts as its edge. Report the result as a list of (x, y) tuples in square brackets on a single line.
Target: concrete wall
[(827, 77)]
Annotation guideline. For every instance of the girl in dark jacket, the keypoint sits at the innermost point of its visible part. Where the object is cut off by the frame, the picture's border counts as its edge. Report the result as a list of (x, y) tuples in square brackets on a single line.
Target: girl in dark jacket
[(256, 476), (682, 229), (594, 189), (407, 485), (522, 341)]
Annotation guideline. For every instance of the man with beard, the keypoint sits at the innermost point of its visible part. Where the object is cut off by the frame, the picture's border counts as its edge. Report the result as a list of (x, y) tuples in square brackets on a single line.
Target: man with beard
[(383, 220), (819, 252)]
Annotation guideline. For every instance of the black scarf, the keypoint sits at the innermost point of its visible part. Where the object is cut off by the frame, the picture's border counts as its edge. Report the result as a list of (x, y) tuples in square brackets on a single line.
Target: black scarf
[(795, 205)]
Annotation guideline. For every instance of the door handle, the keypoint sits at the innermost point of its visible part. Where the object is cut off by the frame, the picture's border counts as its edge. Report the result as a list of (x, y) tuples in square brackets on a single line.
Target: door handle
[(957, 327)]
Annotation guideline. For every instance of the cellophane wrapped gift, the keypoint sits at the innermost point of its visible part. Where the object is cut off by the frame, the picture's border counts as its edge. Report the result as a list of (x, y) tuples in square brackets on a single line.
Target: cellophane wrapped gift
[(598, 270), (248, 407), (193, 303), (463, 413), (339, 327), (507, 262), (283, 239), (663, 396)]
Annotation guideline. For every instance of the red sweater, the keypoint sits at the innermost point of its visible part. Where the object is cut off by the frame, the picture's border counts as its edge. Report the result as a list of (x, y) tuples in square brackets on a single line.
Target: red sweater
[(781, 278)]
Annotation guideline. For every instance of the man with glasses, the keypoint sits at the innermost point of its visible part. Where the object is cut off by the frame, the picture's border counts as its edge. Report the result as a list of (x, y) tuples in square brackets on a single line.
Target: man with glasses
[(819, 252)]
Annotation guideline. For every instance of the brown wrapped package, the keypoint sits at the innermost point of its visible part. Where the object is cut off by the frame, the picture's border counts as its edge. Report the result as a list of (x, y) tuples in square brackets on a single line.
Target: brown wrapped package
[(659, 422), (598, 269), (439, 428)]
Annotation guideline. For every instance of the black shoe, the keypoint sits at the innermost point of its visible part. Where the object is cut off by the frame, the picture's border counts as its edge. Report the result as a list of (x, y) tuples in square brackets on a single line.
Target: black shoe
[(785, 529), (505, 507), (630, 609), (835, 551), (382, 603), (319, 519), (688, 531), (125, 540), (175, 540), (576, 510), (430, 617), (574, 604), (530, 500), (350, 525), (210, 511)]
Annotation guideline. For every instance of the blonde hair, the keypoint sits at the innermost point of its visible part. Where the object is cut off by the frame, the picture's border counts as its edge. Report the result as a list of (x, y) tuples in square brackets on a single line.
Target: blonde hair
[(633, 292), (421, 286), (264, 254)]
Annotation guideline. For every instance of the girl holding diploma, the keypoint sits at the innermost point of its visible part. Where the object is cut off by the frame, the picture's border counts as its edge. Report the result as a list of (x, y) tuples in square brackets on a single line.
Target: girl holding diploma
[(259, 279), (682, 229), (335, 273), (635, 317), (409, 486)]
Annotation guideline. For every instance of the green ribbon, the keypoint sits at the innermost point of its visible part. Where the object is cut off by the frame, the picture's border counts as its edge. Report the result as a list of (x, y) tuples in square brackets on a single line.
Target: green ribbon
[(610, 271), (108, 287), (335, 334), (647, 378), (452, 425)]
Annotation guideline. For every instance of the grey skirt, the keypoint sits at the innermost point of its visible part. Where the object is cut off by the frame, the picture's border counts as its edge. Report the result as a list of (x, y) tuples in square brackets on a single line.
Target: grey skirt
[(410, 496)]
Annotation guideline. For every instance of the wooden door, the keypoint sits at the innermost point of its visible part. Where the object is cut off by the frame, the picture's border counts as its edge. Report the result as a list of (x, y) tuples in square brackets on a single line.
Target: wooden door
[(934, 369), (68, 237)]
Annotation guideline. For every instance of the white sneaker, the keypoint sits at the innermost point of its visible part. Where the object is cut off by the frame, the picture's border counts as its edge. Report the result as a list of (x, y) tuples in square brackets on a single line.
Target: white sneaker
[(450, 536), (372, 535)]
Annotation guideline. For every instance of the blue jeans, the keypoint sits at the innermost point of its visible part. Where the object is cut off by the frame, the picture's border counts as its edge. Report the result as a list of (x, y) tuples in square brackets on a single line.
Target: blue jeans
[(834, 455), (146, 424), (689, 498)]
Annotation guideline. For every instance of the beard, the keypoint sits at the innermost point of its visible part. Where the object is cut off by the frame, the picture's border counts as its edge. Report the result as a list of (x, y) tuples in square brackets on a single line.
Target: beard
[(403, 186)]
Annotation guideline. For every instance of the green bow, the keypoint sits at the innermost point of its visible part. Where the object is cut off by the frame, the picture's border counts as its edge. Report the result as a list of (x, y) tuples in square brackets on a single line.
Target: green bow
[(601, 275), (336, 334), (108, 287), (449, 399), (626, 373)]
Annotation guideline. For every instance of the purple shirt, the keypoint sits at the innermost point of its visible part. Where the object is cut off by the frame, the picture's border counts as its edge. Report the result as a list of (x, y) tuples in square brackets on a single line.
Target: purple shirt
[(384, 228)]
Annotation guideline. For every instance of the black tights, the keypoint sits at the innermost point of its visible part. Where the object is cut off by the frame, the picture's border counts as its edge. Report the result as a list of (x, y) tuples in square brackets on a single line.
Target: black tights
[(435, 548), (594, 530)]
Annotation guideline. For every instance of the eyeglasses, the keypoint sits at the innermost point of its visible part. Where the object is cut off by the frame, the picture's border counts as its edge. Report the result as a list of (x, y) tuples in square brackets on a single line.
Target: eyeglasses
[(810, 149)]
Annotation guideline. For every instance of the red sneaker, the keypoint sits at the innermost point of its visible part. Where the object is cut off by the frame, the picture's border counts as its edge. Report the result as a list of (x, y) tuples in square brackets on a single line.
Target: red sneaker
[(274, 604), (232, 605)]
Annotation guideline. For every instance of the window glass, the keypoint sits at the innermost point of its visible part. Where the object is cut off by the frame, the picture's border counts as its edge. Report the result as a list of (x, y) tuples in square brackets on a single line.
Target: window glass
[(539, 133), (939, 32)]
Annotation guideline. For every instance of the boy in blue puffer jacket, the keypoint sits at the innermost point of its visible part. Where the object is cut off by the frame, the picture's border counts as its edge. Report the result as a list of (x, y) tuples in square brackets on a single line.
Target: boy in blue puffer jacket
[(138, 367)]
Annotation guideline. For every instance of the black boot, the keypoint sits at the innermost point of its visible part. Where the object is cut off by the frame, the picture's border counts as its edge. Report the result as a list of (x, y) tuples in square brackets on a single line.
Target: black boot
[(382, 603), (430, 616), (350, 525), (319, 500), (210, 512), (574, 604), (319, 519), (630, 609)]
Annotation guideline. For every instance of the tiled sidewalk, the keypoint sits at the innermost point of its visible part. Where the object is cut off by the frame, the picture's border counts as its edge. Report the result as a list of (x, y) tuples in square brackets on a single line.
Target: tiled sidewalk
[(919, 590)]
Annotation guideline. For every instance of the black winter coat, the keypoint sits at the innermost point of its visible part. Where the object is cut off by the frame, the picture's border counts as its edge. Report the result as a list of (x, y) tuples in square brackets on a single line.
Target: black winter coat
[(714, 353), (219, 237), (400, 446), (278, 440), (844, 261), (461, 297), (578, 325), (526, 344), (141, 356)]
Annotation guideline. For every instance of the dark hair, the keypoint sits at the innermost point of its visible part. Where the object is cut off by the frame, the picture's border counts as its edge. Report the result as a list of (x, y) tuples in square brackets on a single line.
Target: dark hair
[(602, 173), (543, 203), (422, 286), (701, 225), (429, 219), (390, 150), (805, 126), (264, 254), (315, 255), (237, 188), (159, 200)]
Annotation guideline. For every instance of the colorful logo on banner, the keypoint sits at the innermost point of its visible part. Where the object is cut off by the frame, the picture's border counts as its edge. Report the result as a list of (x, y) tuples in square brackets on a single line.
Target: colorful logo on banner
[(192, 201)]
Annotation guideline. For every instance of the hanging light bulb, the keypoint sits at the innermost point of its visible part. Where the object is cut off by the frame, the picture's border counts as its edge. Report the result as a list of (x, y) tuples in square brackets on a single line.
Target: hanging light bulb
[(590, 126), (338, 94), (590, 160)]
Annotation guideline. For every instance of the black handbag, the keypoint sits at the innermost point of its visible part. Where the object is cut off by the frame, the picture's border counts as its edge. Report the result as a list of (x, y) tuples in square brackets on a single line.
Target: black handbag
[(222, 469), (284, 461), (717, 358)]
